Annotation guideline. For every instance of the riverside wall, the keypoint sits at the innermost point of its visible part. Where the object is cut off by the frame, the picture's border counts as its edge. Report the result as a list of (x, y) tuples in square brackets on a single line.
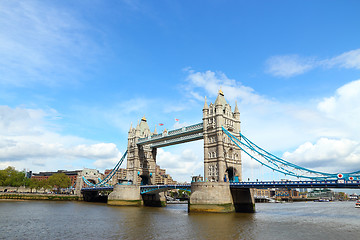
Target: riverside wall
[(29, 196)]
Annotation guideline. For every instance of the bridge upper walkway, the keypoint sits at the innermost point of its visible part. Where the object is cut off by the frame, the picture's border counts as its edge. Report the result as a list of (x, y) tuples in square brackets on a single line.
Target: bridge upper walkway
[(181, 135)]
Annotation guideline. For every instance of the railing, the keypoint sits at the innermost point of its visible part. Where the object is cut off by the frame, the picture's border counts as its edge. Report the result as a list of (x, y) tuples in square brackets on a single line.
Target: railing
[(341, 183), (171, 134), (186, 129), (160, 188), (186, 138)]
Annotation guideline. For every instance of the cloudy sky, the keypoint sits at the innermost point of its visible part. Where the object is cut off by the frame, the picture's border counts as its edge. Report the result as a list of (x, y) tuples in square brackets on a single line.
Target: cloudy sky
[(75, 74)]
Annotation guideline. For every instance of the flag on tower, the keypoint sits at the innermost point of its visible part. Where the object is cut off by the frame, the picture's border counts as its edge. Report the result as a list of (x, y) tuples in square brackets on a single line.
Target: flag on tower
[(176, 119), (161, 124)]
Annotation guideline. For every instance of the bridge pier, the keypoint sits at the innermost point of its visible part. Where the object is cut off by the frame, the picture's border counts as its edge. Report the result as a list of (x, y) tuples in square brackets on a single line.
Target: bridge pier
[(211, 197), (94, 197), (218, 197), (154, 200), (243, 199), (125, 195)]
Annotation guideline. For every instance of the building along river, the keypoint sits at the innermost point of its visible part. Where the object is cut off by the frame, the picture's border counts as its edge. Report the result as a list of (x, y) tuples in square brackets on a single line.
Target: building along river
[(82, 220)]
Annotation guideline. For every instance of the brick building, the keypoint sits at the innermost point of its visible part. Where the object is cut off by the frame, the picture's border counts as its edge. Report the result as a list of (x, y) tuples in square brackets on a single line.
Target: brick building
[(45, 175), (286, 194), (161, 177)]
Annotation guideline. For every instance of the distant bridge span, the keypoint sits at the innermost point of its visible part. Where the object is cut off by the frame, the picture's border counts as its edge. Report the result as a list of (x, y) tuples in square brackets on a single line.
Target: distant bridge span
[(151, 189)]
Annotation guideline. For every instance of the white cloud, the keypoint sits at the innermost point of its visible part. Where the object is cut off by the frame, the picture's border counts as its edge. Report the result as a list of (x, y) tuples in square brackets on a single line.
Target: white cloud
[(27, 141), (211, 82), (289, 65), (332, 155), (181, 165), (350, 59), (292, 65), (344, 108)]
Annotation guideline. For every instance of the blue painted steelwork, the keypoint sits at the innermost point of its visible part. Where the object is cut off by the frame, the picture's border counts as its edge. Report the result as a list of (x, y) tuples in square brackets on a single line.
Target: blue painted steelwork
[(280, 165), (96, 189), (108, 177), (87, 182), (161, 188), (340, 183), (145, 189)]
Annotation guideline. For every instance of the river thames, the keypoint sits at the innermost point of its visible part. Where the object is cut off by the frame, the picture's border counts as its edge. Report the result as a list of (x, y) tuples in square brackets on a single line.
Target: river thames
[(82, 220)]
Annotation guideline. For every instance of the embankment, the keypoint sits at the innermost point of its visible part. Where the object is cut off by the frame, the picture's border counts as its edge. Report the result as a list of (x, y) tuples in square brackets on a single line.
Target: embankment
[(51, 197)]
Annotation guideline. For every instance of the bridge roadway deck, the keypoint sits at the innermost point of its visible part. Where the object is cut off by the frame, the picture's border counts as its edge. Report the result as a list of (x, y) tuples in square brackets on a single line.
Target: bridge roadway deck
[(149, 189)]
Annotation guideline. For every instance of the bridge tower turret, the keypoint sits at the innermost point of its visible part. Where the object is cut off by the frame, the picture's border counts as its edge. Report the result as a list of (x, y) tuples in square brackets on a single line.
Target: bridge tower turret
[(141, 160), (222, 160)]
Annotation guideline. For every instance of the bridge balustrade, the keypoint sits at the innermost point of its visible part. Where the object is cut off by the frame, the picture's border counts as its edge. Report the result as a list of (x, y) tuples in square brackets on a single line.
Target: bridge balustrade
[(186, 138), (172, 134)]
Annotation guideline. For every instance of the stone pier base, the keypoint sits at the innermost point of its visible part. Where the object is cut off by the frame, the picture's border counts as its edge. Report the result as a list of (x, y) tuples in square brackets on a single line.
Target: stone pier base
[(125, 195), (243, 199), (211, 197), (154, 200)]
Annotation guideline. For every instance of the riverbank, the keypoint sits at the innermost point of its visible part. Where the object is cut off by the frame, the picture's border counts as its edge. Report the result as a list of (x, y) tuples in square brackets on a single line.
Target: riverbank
[(29, 196)]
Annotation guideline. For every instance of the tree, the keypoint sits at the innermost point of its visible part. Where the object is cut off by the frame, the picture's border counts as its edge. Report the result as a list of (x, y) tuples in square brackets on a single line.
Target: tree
[(34, 184), (3, 177), (10, 177), (59, 180), (39, 184), (44, 184)]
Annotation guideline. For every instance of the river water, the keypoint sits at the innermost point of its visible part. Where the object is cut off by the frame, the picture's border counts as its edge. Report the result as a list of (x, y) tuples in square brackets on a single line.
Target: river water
[(82, 220)]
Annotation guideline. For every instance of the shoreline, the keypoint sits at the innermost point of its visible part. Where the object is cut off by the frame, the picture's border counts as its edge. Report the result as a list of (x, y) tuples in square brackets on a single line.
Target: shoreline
[(30, 196)]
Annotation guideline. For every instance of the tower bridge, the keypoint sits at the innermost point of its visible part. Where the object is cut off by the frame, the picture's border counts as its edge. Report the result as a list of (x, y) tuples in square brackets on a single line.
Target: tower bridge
[(222, 189), (222, 159)]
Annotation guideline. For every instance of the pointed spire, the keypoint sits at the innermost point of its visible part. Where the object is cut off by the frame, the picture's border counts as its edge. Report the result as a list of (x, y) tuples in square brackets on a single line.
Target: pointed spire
[(130, 127), (236, 108), (155, 132), (205, 104), (220, 100), (137, 130)]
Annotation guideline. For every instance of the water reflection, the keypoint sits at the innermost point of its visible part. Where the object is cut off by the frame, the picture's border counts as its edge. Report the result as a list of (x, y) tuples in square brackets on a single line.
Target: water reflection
[(78, 220), (218, 226)]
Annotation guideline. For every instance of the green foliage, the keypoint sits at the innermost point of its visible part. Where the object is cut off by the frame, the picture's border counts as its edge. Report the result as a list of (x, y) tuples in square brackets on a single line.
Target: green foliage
[(10, 177), (342, 196), (184, 193), (59, 180), (33, 183), (38, 184), (180, 194)]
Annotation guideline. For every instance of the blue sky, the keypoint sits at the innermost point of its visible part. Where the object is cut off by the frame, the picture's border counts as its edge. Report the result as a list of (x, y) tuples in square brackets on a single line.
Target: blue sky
[(75, 74)]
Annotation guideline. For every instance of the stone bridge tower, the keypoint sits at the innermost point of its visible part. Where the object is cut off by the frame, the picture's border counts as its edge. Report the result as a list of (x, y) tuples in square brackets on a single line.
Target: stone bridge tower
[(222, 159), (141, 160), (222, 163)]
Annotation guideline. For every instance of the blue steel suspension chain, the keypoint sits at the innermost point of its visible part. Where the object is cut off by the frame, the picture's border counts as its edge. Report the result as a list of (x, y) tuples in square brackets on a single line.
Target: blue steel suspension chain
[(279, 164), (108, 177)]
